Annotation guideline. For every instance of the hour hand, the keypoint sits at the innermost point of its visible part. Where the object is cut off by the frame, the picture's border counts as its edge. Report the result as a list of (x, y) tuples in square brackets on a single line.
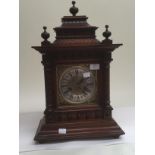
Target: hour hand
[(80, 81)]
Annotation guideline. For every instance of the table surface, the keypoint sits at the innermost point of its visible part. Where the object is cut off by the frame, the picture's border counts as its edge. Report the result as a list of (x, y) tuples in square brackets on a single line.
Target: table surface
[(124, 116)]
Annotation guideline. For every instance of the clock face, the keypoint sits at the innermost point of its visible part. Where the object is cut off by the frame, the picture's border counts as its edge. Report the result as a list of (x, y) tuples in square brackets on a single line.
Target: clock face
[(77, 85)]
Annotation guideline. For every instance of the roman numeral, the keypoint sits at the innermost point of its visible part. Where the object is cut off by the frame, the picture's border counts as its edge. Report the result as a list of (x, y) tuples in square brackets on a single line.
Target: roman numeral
[(76, 72)]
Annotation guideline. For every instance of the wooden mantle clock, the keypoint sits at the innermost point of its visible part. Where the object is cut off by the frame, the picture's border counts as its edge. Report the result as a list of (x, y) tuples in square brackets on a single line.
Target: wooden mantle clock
[(77, 73)]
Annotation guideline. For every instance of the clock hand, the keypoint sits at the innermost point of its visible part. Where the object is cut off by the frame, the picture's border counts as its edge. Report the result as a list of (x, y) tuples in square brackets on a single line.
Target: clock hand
[(83, 90), (80, 81)]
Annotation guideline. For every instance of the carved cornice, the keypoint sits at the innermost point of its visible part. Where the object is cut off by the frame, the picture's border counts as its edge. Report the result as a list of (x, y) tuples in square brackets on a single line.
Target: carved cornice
[(54, 48)]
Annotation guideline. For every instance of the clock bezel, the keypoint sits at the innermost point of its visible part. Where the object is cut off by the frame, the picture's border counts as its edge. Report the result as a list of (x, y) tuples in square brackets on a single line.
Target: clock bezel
[(61, 101)]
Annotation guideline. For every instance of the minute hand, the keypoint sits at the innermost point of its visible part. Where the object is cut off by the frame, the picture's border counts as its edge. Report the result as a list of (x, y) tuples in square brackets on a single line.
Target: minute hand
[(82, 80)]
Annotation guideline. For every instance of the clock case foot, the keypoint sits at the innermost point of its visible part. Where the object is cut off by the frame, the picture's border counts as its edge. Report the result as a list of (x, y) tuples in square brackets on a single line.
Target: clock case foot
[(92, 129)]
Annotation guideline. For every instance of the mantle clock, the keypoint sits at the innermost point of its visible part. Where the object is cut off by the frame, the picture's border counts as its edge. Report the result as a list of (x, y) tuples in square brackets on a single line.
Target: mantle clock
[(77, 86)]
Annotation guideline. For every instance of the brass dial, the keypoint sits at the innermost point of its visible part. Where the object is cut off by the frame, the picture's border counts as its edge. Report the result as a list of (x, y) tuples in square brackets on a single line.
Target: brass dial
[(77, 84)]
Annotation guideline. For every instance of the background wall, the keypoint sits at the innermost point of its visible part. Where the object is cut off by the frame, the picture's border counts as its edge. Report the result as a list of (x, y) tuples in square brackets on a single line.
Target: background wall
[(34, 14)]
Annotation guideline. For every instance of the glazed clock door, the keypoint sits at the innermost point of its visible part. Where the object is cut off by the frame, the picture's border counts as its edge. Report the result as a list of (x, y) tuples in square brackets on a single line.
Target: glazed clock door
[(76, 85)]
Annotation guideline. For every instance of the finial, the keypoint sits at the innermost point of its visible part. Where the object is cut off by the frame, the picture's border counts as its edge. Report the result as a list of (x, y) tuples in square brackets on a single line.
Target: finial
[(74, 10), (73, 2), (107, 34), (45, 35)]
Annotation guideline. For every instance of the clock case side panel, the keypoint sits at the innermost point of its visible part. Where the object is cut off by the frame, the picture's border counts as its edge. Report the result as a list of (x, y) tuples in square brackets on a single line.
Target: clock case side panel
[(104, 89), (50, 84)]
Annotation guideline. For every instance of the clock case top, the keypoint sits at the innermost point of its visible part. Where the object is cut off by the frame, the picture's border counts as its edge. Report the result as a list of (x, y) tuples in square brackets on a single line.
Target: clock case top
[(75, 44)]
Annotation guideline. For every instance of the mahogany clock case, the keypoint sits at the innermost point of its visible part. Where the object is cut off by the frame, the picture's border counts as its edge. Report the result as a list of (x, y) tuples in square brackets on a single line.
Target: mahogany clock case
[(76, 45)]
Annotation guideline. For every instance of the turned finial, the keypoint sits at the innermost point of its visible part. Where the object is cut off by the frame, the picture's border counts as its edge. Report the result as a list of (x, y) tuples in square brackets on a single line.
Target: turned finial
[(107, 33), (74, 10), (45, 35)]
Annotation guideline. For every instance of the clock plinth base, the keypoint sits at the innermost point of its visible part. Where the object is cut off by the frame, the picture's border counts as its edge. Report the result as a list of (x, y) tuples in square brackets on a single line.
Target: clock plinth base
[(88, 129)]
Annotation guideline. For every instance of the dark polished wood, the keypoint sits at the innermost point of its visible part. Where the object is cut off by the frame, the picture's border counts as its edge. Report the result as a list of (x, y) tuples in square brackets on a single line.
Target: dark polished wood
[(75, 44), (90, 129)]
